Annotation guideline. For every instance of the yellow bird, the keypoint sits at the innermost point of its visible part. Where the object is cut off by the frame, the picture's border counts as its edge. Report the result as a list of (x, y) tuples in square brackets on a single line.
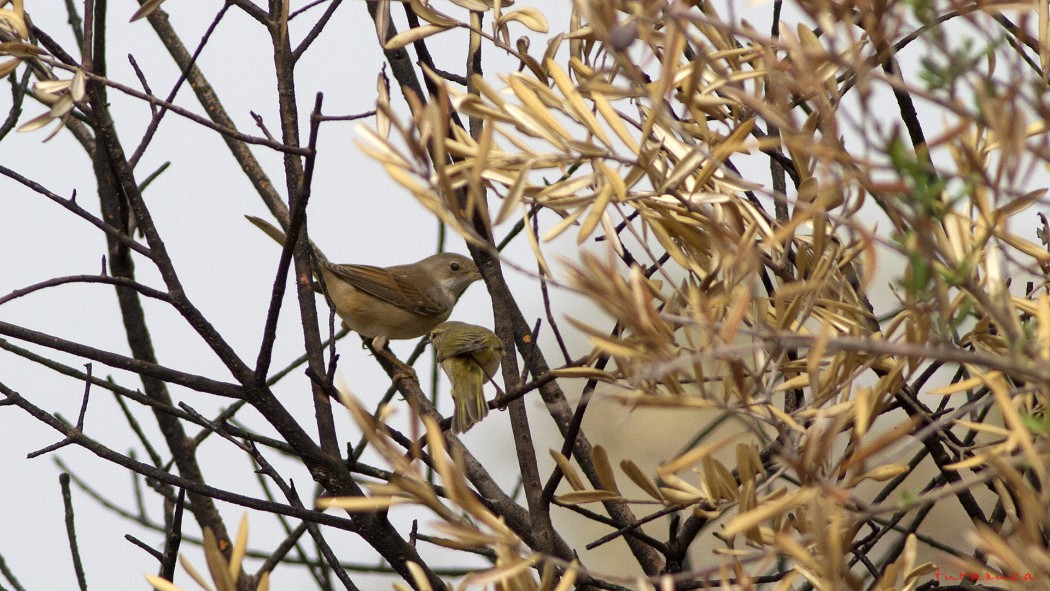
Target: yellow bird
[(469, 355)]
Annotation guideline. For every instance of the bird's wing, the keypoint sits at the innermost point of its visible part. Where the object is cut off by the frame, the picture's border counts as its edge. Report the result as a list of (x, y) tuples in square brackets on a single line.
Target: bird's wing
[(473, 351), (465, 349), (474, 345), (391, 287)]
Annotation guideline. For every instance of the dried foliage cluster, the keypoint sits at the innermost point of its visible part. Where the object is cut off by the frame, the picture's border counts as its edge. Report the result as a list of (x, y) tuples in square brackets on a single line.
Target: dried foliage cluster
[(820, 232)]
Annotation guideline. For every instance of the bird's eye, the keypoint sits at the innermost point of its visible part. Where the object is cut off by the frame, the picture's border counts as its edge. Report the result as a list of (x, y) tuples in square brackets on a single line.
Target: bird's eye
[(454, 266)]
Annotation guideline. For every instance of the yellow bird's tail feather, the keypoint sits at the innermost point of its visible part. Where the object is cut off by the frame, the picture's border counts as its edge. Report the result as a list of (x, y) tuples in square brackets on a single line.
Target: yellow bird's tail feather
[(468, 394)]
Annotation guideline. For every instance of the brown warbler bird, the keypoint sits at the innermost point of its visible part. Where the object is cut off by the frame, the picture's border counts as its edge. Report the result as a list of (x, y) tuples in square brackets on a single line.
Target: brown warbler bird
[(469, 355), (399, 302)]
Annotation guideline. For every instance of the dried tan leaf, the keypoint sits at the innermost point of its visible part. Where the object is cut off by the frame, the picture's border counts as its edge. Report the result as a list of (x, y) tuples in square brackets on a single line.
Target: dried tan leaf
[(693, 456), (793, 550), (883, 441), (78, 86), (475, 5), (382, 106), (583, 114), (581, 497), (534, 243), (217, 565), (1028, 247), (514, 195), (359, 504), (418, 576), (1019, 432), (585, 373), (566, 222), (36, 122), (799, 381), (638, 477), (677, 496), (528, 16), (1043, 11), (784, 418), (502, 573), (473, 106), (470, 536), (768, 511), (382, 19), (611, 235), (920, 570), (19, 49), (8, 66), (566, 188), (993, 544), (240, 548), (531, 101), (863, 411), (879, 474), (719, 480), (596, 211), (962, 385), (748, 462), (687, 166), (612, 178), (406, 179), (486, 90), (147, 8), (568, 578), (674, 482), (613, 119), (979, 459), (436, 443), (604, 469), (568, 470), (526, 123), (379, 148), (1042, 319), (192, 572), (161, 584), (424, 11), (14, 20), (748, 501), (412, 35)]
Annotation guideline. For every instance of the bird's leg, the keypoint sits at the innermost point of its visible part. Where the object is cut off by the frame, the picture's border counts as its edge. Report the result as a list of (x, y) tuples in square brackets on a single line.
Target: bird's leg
[(492, 380), (488, 378), (402, 371)]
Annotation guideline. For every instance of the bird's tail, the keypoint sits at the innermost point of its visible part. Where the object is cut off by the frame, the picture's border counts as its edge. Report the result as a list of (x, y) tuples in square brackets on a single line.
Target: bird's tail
[(271, 230), (469, 395), (277, 234)]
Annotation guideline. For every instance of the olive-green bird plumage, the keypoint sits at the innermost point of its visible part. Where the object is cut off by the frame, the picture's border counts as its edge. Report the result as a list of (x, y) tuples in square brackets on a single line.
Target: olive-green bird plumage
[(469, 355)]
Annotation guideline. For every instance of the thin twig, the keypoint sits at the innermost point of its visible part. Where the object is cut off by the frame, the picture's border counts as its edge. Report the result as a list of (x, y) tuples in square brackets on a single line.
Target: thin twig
[(71, 533)]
